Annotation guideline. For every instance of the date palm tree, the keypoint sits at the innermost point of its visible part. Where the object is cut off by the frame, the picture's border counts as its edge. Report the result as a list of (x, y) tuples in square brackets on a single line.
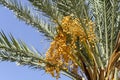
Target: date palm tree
[(84, 34)]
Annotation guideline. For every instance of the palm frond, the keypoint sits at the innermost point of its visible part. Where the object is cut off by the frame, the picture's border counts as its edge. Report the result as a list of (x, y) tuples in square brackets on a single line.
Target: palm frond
[(24, 13), (114, 58), (48, 8), (18, 51), (105, 13), (64, 6), (78, 8), (110, 23)]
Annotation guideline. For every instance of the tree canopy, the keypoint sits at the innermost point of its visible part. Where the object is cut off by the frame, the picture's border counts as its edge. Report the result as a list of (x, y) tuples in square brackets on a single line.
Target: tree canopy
[(84, 34)]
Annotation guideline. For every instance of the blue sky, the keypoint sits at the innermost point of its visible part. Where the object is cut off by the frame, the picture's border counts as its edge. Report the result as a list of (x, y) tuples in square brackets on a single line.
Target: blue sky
[(10, 71)]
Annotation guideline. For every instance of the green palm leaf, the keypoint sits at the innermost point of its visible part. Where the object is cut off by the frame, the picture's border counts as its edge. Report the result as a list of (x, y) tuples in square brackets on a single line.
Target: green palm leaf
[(24, 13)]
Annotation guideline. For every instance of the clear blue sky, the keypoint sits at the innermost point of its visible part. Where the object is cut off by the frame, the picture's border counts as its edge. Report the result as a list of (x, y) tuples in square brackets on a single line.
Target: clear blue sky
[(10, 71)]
